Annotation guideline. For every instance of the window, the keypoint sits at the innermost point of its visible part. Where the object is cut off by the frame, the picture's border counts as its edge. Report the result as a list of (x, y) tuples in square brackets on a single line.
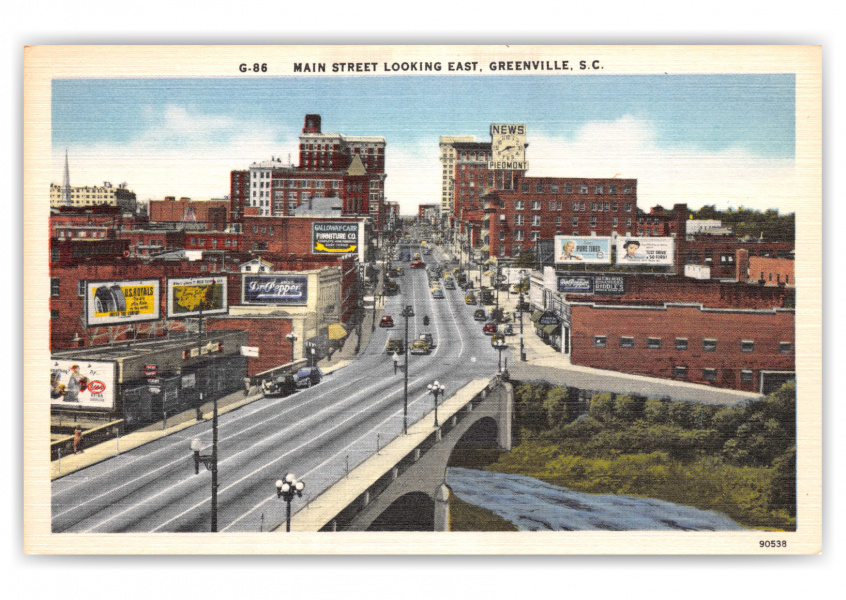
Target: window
[(568, 188), (583, 190), (626, 342), (627, 189), (593, 206), (653, 343), (785, 347), (628, 221), (558, 221), (536, 205), (600, 341), (709, 374), (593, 221), (612, 189), (628, 207), (607, 206), (54, 286), (518, 219), (552, 205), (534, 236), (539, 187), (575, 206), (709, 345), (54, 315), (536, 220), (575, 221), (597, 190), (525, 187), (680, 372), (746, 375), (553, 188), (681, 343), (613, 221), (747, 346), (518, 235), (518, 205)]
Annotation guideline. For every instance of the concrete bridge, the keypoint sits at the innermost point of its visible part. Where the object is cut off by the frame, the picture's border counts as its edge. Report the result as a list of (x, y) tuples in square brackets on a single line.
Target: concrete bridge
[(402, 487)]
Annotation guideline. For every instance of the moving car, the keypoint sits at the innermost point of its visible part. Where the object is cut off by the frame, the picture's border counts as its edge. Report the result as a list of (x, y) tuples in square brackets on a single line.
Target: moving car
[(489, 328), (449, 284), (391, 288), (428, 337), (470, 298), (480, 315), (394, 346), (309, 376), (399, 272), (420, 346), (497, 337), (417, 264), (280, 386), (386, 321), (438, 294)]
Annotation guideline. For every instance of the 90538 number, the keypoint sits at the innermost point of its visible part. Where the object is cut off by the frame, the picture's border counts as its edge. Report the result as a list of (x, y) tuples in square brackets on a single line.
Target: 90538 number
[(772, 543)]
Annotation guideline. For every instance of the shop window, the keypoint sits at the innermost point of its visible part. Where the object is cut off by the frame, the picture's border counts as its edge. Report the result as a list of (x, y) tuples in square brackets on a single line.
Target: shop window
[(785, 347), (600, 341), (680, 372), (681, 343), (653, 343), (709, 374), (746, 375), (709, 345), (626, 342), (747, 346)]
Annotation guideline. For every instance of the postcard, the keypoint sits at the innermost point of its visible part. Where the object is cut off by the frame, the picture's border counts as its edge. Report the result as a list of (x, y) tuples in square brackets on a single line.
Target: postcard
[(423, 300)]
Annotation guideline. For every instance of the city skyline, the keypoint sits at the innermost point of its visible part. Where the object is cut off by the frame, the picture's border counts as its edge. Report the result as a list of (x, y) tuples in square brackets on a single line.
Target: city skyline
[(675, 134)]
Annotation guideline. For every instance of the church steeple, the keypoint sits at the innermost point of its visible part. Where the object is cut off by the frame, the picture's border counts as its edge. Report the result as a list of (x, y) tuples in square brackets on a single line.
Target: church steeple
[(66, 193)]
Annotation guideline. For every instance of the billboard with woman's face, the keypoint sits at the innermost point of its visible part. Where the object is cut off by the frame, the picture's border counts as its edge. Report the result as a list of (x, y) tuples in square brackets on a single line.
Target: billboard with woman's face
[(82, 384), (582, 250)]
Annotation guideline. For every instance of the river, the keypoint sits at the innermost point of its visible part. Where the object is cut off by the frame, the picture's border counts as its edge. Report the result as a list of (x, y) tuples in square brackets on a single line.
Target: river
[(533, 505)]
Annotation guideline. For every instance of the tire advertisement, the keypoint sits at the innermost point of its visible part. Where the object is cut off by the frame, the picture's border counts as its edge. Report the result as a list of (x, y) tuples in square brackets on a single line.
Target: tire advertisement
[(82, 384), (122, 302), (191, 296)]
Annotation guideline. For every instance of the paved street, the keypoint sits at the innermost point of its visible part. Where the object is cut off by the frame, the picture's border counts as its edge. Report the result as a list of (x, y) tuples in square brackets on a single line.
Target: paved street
[(314, 433)]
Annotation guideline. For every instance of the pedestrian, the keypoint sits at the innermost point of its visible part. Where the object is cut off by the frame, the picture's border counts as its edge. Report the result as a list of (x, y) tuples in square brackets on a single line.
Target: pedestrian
[(77, 440), (247, 386)]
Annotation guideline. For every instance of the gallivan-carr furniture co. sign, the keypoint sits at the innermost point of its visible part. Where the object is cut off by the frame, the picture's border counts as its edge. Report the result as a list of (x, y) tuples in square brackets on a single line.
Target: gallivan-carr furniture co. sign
[(334, 238)]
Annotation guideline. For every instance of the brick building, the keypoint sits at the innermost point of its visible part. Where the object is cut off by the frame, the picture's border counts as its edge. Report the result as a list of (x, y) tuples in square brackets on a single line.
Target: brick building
[(752, 350), (330, 165), (265, 332), (170, 210), (771, 271), (294, 235), (67, 252)]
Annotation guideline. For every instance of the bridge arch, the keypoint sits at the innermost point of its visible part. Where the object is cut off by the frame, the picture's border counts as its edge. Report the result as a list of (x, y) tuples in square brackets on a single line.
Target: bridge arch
[(414, 511), (485, 420)]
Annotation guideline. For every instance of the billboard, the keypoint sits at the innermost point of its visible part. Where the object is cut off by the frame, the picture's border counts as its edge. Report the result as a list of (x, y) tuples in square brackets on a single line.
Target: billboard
[(612, 285), (334, 238), (187, 296), (121, 302), (82, 384), (644, 251), (582, 250), (275, 289), (575, 284)]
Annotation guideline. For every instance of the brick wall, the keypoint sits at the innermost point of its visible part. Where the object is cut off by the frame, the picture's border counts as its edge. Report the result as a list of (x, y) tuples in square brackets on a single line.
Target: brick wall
[(266, 333)]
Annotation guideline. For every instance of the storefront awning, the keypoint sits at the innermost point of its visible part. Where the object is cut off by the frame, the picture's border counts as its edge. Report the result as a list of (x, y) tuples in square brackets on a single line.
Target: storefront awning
[(336, 331), (536, 315), (491, 261), (485, 248), (550, 329)]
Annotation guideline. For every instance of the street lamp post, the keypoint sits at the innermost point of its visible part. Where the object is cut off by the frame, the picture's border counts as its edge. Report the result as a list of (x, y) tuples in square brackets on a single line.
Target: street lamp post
[(522, 351), (291, 338), (407, 312), (436, 389), (210, 462), (286, 489), (500, 346)]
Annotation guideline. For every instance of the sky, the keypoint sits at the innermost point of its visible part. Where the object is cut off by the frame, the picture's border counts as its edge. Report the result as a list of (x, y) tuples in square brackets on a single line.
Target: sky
[(726, 140)]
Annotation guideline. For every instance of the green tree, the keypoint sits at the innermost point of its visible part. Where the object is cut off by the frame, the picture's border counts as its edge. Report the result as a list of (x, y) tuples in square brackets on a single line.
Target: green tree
[(526, 260), (602, 407)]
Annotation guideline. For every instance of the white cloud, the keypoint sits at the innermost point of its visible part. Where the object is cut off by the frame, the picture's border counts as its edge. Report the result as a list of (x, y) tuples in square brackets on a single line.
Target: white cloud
[(190, 154)]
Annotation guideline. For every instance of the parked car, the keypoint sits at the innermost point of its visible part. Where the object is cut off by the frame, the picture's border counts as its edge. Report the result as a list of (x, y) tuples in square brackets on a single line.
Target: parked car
[(280, 386), (399, 272), (470, 298), (420, 346), (506, 329), (394, 346), (497, 337), (386, 321), (309, 376), (489, 328), (487, 296), (438, 294), (480, 315), (428, 337)]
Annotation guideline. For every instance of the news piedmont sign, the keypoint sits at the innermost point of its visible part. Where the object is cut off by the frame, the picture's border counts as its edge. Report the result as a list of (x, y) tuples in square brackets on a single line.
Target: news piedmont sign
[(121, 302), (335, 237), (275, 289)]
